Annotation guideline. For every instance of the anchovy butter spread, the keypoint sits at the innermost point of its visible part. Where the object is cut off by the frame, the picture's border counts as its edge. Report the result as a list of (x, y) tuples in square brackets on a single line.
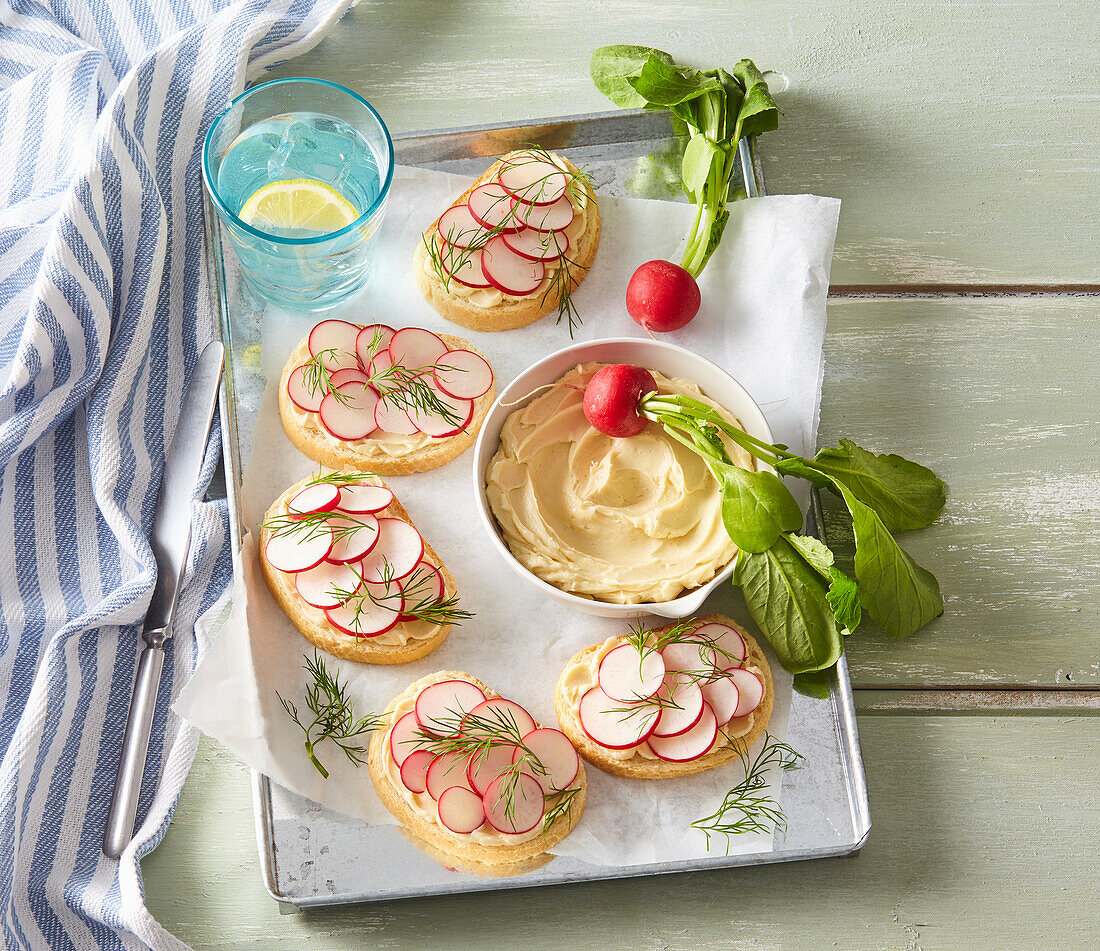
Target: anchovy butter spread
[(627, 521)]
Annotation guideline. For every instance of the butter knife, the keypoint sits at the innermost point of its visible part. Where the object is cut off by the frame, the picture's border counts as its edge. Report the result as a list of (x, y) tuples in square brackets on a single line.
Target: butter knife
[(171, 541)]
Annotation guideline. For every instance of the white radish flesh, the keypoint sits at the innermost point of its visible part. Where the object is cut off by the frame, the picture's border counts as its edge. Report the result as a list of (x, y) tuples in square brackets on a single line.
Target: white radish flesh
[(555, 754), (316, 586), (487, 765), (685, 747), (334, 335), (405, 738), (498, 715), (723, 696), (463, 374), (319, 497), (514, 807), (438, 426), (353, 538), (362, 498), (607, 723), (625, 674), (459, 227), (397, 552), (446, 771), (365, 617), (683, 710), (533, 179), (348, 375), (729, 642), (423, 588), (491, 206), (299, 551), (538, 245), (508, 272), (351, 415), (372, 340), (441, 706), (555, 217), (300, 395), (750, 687), (414, 347), (414, 771), (461, 810), (391, 418), (692, 657), (382, 361)]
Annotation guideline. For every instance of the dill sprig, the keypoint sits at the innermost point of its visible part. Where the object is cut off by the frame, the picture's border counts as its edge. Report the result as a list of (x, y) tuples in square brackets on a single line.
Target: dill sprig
[(341, 478), (333, 715), (439, 612), (311, 524), (746, 808), (560, 803), (316, 375)]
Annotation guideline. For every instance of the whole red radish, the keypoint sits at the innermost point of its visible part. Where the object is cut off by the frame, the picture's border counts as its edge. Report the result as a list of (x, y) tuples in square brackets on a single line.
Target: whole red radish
[(662, 296), (611, 398)]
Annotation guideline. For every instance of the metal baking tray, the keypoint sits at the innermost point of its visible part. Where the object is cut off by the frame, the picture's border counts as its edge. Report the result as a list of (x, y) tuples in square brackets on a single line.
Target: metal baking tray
[(310, 855)]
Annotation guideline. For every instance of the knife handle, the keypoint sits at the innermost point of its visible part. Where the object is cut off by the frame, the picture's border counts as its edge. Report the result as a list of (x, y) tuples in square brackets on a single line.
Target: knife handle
[(135, 746)]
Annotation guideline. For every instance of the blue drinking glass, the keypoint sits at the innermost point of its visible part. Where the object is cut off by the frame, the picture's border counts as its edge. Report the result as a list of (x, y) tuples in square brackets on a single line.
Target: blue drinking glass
[(300, 132)]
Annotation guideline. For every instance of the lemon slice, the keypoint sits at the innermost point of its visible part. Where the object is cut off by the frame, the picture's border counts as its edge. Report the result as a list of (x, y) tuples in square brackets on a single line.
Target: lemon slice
[(299, 204)]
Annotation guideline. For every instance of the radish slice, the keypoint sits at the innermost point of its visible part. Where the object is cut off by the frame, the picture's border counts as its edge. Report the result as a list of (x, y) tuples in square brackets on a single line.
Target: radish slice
[(555, 217), (731, 645), (446, 771), (438, 426), (690, 745), (404, 738), (348, 375), (316, 585), (319, 497), (722, 696), (414, 347), (606, 723), (351, 416), (461, 810), (369, 616), (514, 807), (414, 771), (441, 706), (533, 179), (397, 552), (508, 272), (464, 265), (555, 753), (423, 588), (382, 361), (463, 374), (300, 394), (336, 335), (500, 715), (391, 418), (689, 657), (626, 675), (352, 538), (299, 551), (362, 498), (372, 340), (491, 206), (487, 765), (538, 245), (751, 688), (685, 708), (459, 227)]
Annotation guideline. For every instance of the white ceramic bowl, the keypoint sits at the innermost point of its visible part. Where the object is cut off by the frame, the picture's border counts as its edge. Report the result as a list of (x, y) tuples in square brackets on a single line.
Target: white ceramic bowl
[(670, 360)]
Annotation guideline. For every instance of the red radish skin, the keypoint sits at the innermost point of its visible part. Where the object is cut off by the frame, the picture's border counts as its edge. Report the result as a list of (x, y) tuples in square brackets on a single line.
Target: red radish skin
[(611, 399), (538, 245), (367, 618), (372, 340), (300, 395), (315, 585), (463, 374), (440, 706), (556, 755), (445, 771), (751, 688), (351, 417), (414, 771), (503, 712), (459, 227), (353, 538), (464, 266), (347, 375), (519, 812), (404, 738), (508, 272), (361, 498), (321, 497), (437, 426), (604, 723), (662, 296), (298, 552), (730, 643), (336, 335), (422, 588), (625, 675), (396, 553), (461, 810), (533, 179), (491, 206), (723, 696), (414, 347), (555, 217), (684, 747), (686, 707)]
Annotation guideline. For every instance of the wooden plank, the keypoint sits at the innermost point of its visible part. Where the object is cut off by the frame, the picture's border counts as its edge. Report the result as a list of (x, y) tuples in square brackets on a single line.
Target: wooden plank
[(999, 397), (984, 836), (961, 137)]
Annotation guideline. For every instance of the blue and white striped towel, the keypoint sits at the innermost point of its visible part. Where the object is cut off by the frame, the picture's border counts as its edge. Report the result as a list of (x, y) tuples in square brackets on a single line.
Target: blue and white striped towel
[(103, 310)]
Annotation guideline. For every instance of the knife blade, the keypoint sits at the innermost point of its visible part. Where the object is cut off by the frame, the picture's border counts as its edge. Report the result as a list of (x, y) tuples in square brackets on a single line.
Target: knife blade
[(171, 542)]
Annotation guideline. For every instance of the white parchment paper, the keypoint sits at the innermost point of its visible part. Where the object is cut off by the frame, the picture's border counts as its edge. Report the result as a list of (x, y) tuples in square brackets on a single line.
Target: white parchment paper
[(763, 319)]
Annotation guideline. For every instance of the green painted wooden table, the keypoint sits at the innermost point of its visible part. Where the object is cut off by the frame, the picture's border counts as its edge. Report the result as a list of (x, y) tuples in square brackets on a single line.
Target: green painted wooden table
[(963, 327)]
